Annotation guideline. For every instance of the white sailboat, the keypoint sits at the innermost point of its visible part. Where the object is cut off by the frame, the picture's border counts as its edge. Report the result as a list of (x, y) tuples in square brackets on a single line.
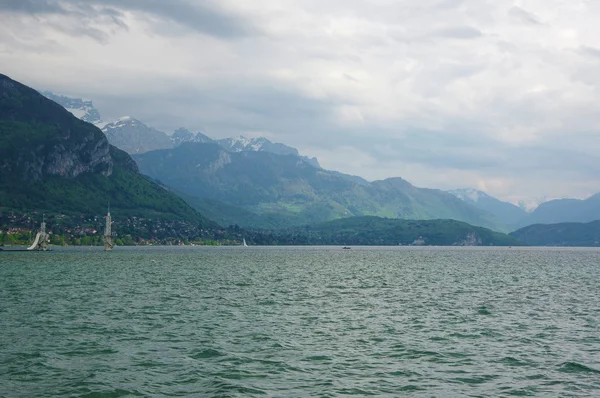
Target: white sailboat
[(108, 243), (39, 243), (244, 242)]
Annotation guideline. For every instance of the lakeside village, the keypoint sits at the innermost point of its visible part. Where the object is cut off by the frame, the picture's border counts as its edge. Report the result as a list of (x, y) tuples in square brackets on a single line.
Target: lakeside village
[(19, 229)]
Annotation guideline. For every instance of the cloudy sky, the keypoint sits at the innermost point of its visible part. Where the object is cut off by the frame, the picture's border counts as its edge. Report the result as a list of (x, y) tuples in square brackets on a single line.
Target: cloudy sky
[(500, 95)]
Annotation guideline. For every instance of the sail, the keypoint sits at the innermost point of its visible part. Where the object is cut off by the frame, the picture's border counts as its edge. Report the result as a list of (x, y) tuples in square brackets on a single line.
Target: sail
[(108, 243), (35, 242), (245, 245)]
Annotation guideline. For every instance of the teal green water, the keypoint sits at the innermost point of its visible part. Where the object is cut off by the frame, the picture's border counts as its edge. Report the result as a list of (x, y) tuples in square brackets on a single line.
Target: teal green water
[(297, 322)]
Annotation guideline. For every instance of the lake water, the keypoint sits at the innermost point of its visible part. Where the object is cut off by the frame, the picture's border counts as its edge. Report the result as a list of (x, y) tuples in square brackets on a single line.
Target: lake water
[(297, 322)]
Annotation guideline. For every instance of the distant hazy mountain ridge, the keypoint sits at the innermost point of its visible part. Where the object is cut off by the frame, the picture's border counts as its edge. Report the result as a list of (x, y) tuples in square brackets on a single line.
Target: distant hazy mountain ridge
[(567, 210), (134, 137), (261, 144), (239, 144), (507, 213), (475, 196), (546, 212)]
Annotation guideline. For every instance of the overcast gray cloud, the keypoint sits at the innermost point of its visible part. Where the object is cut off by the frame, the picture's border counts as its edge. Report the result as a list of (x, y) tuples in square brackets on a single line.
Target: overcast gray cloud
[(31, 6), (498, 95), (201, 16)]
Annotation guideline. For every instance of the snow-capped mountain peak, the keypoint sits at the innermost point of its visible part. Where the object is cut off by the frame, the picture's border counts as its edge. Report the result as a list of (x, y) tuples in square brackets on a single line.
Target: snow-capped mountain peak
[(123, 121), (260, 144), (80, 108), (182, 135), (529, 205), (469, 194), (240, 144), (476, 196), (133, 136)]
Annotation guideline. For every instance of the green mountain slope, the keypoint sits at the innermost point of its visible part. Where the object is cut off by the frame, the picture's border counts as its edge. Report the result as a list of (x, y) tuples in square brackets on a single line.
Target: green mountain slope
[(285, 186), (563, 234), (52, 161), (229, 215)]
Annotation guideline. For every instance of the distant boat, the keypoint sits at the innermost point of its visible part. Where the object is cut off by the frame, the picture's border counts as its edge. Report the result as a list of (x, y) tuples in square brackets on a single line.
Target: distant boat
[(345, 248), (244, 242), (39, 243), (108, 243)]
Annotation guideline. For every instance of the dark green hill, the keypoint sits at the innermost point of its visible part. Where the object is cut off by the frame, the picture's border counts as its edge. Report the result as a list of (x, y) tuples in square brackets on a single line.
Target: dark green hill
[(563, 234), (286, 187), (52, 161), (381, 231)]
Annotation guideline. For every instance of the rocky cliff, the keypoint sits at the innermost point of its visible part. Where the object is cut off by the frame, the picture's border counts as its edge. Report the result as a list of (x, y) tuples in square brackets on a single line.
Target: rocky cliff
[(40, 138)]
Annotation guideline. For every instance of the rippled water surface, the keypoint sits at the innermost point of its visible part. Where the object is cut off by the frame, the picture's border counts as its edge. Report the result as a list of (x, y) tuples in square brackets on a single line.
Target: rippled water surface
[(290, 322)]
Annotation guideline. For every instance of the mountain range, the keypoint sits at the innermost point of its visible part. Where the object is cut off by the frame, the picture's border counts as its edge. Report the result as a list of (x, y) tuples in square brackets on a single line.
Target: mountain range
[(239, 144), (279, 191), (292, 190), (135, 137), (52, 161)]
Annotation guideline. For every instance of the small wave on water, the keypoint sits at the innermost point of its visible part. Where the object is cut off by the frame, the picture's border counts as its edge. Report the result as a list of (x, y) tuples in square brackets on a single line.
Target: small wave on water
[(206, 353), (484, 310), (511, 361), (87, 392), (574, 367)]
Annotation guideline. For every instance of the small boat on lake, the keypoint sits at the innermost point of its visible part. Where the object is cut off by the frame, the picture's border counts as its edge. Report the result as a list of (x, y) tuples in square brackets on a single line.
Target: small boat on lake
[(41, 238), (108, 243)]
